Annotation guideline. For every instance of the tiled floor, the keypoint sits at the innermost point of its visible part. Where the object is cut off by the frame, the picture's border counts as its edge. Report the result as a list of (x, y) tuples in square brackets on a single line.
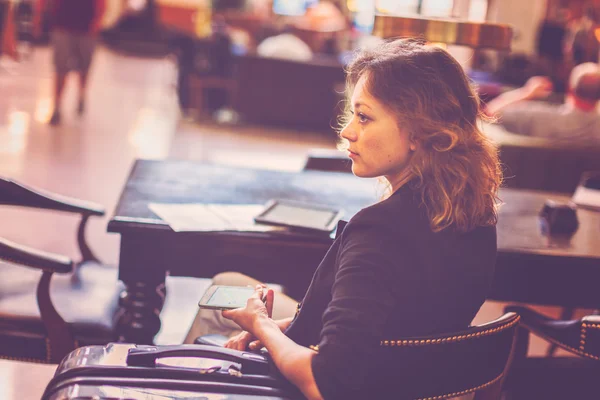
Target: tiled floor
[(23, 381), (131, 113)]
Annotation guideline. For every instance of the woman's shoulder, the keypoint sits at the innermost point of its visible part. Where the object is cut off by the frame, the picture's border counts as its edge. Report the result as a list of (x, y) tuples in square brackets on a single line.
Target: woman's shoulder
[(403, 204), (405, 214), (394, 214)]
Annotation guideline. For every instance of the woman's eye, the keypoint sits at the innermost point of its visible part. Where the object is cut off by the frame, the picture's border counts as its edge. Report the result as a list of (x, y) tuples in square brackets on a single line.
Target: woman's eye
[(362, 117)]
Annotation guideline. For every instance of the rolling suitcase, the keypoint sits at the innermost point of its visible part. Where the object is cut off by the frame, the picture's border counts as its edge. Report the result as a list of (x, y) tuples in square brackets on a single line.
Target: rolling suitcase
[(136, 372)]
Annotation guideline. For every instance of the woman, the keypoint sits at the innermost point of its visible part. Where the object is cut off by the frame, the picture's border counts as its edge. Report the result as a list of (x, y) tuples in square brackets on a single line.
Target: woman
[(419, 262)]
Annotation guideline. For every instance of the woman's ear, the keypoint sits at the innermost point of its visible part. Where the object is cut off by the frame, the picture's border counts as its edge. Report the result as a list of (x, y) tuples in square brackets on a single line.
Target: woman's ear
[(413, 145)]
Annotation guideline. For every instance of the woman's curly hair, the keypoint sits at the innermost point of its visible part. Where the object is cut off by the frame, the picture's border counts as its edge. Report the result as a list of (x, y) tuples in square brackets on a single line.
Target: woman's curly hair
[(454, 167)]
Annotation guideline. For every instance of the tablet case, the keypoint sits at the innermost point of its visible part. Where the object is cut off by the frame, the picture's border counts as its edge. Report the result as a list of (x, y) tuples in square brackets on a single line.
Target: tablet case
[(264, 216)]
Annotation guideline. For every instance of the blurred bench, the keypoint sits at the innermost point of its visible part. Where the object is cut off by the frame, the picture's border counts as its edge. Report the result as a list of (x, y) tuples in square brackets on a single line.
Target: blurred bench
[(542, 164), (288, 93)]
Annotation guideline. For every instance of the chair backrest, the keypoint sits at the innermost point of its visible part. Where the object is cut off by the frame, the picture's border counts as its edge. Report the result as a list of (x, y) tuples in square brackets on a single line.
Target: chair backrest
[(444, 366), (15, 194)]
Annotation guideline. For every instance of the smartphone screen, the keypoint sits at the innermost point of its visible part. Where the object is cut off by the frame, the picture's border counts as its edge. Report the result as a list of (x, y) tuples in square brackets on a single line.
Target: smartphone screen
[(229, 297)]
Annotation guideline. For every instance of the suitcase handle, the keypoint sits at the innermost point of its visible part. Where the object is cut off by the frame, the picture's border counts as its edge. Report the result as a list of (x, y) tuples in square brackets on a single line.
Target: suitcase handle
[(146, 356)]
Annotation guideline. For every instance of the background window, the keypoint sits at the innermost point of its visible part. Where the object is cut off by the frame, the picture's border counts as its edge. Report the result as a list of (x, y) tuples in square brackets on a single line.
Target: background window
[(398, 7), (437, 8)]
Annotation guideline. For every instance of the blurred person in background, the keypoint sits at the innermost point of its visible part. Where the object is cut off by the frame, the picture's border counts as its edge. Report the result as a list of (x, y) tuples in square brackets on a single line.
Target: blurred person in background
[(138, 20), (73, 40), (550, 46), (576, 119), (24, 14), (285, 46), (325, 16), (328, 24), (581, 44)]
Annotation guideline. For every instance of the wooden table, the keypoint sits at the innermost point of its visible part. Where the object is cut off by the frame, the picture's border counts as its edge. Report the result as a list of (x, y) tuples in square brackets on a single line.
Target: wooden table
[(530, 267)]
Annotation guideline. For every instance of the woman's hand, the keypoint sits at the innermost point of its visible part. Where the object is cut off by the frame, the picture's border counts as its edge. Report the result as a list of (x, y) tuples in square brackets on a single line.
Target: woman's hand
[(254, 310), (293, 360), (243, 341), (240, 341)]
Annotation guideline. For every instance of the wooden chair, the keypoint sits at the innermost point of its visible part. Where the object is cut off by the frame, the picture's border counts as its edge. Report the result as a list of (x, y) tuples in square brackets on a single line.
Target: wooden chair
[(40, 322)]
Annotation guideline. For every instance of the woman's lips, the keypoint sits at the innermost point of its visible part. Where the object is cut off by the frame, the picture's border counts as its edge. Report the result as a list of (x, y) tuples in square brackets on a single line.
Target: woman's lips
[(352, 154)]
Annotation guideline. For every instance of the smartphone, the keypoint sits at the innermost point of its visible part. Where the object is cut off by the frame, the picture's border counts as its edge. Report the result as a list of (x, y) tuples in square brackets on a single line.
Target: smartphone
[(219, 297)]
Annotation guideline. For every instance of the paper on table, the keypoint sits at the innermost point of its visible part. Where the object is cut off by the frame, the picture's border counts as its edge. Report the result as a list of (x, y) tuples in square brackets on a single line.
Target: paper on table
[(587, 197), (197, 217)]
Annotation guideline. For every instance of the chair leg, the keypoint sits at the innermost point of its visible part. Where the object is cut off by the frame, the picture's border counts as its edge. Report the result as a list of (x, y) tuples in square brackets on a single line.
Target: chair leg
[(84, 249), (61, 340), (512, 381), (522, 345), (566, 314)]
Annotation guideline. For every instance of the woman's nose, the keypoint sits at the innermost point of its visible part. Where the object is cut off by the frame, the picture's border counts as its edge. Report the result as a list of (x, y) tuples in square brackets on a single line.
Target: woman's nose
[(348, 132)]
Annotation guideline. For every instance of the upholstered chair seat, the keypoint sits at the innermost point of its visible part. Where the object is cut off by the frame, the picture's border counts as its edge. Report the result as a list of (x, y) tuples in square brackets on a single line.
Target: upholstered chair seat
[(87, 299)]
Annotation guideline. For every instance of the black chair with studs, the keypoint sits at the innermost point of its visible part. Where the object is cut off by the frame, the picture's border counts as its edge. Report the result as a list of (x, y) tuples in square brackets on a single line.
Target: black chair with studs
[(467, 364), (571, 375), (43, 319)]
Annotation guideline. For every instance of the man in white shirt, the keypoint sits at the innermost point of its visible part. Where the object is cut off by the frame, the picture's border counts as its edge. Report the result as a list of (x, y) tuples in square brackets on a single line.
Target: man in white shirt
[(285, 46), (576, 119)]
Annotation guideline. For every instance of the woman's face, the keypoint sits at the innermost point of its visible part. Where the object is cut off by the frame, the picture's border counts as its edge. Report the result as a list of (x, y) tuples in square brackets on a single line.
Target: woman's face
[(376, 145)]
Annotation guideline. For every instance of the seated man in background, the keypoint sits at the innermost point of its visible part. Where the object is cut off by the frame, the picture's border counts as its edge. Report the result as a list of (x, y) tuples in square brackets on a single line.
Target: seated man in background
[(286, 46), (576, 119)]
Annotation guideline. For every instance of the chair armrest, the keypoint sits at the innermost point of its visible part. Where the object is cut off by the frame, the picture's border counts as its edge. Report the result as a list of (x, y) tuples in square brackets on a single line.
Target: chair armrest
[(18, 254), (534, 321), (13, 193), (581, 337)]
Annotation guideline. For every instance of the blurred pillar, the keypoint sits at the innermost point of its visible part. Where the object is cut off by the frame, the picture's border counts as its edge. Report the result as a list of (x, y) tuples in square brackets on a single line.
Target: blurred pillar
[(8, 40)]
